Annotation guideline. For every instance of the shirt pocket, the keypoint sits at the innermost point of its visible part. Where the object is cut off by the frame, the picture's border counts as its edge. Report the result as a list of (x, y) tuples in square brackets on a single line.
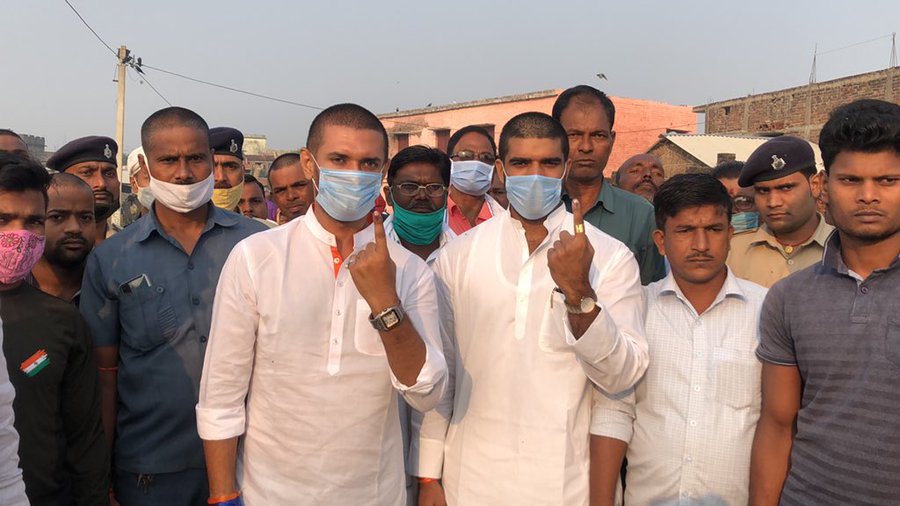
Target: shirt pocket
[(892, 341), (148, 317), (737, 376), (552, 332), (366, 338)]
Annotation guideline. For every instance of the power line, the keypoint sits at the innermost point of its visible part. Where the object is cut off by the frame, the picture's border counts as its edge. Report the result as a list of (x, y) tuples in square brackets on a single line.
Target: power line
[(111, 50), (855, 44), (230, 88), (144, 79)]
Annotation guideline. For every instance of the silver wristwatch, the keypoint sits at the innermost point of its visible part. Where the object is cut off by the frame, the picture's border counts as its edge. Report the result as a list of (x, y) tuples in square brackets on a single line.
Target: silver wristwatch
[(584, 306), (388, 319)]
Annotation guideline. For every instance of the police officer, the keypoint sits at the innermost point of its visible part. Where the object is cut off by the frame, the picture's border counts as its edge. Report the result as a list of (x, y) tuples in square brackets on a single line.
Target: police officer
[(93, 159), (228, 155), (782, 172)]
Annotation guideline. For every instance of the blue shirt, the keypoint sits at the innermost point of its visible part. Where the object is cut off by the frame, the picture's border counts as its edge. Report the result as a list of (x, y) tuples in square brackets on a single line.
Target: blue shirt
[(143, 293)]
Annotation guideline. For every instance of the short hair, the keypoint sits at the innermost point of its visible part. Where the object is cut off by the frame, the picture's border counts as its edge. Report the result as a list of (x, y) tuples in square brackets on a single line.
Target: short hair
[(284, 160), (66, 180), (683, 191), (346, 115), (727, 170), (583, 90), (248, 178), (19, 175), (867, 126), (454, 139), (6, 131), (533, 125), (171, 116), (420, 154)]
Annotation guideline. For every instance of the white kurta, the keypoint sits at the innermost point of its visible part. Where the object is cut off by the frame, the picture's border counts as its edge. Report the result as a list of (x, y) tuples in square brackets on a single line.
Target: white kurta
[(513, 427), (294, 366)]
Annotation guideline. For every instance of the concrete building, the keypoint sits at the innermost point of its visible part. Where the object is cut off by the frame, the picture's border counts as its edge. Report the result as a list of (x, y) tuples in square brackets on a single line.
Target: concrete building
[(680, 153), (800, 111), (638, 124)]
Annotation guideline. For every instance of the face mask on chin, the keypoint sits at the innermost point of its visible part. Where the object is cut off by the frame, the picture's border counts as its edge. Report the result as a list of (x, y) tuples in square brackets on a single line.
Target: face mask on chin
[(227, 198), (20, 251), (182, 198)]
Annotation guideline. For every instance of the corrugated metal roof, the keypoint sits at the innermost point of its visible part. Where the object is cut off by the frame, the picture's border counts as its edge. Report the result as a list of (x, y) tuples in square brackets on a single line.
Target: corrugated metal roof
[(706, 147)]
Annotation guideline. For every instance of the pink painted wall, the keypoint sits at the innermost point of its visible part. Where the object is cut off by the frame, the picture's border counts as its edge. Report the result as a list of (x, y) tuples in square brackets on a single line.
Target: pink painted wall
[(639, 123)]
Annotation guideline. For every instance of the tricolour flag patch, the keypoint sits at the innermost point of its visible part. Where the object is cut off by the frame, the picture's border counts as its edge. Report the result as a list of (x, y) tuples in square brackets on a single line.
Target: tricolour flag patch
[(35, 363)]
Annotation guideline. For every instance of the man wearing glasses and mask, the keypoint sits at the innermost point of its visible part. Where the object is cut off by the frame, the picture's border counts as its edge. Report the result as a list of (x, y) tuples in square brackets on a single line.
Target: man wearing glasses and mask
[(473, 152)]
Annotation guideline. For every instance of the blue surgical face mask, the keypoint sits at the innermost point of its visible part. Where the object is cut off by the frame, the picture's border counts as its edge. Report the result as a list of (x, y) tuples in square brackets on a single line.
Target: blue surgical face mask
[(533, 197), (471, 177), (745, 221), (347, 195)]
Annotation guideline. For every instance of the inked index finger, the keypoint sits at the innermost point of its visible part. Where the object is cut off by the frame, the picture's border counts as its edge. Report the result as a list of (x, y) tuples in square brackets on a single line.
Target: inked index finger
[(578, 217), (380, 238)]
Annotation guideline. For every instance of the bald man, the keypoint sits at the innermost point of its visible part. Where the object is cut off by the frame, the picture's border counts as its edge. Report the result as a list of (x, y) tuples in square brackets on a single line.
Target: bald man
[(641, 174), (69, 232)]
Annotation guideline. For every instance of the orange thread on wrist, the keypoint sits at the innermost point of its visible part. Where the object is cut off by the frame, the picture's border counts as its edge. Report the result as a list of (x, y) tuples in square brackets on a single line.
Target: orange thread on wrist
[(217, 500), (107, 369), (427, 480)]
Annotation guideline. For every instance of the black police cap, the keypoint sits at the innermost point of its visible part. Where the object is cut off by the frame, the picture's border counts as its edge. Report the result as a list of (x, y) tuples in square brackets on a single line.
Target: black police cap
[(227, 141), (776, 158), (86, 149)]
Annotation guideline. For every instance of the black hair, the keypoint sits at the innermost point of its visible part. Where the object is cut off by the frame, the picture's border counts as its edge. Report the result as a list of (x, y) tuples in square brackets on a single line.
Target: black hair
[(67, 180), (420, 154), (171, 116), (583, 90), (6, 131), (727, 170), (689, 190), (346, 115), (454, 139), (533, 125), (285, 160), (248, 178), (867, 126), (19, 175)]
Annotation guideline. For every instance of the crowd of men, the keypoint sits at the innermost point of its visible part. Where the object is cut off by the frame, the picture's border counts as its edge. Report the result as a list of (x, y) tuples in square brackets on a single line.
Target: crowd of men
[(494, 324)]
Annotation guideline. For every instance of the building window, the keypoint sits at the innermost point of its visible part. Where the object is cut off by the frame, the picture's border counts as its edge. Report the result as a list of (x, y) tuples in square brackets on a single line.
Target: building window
[(402, 141), (442, 137)]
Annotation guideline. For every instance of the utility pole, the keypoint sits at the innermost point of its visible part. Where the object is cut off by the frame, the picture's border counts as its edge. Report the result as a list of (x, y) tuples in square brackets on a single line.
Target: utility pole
[(120, 110)]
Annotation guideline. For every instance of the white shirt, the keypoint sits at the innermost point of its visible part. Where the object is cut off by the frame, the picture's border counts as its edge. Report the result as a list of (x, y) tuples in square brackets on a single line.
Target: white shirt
[(520, 417), (12, 488), (695, 411), (294, 366)]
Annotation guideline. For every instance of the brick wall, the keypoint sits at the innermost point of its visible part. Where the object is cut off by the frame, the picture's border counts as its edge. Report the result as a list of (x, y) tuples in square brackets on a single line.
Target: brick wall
[(675, 160), (800, 111)]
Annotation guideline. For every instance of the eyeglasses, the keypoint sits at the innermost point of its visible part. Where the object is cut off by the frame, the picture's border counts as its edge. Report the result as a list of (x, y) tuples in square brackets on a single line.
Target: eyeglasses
[(743, 203), (464, 156), (432, 190)]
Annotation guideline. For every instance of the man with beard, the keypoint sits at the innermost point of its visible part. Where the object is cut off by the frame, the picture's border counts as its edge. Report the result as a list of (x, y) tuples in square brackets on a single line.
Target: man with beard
[(93, 159), (228, 156), (69, 237), (830, 334), (641, 174), (782, 172), (588, 116)]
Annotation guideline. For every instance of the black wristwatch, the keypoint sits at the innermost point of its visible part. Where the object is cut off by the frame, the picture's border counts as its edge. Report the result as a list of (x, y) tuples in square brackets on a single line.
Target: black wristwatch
[(388, 319)]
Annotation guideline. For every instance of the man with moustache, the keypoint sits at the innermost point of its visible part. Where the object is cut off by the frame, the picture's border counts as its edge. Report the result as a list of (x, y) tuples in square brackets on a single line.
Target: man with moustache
[(49, 357), (69, 237), (228, 147), (147, 298), (292, 191), (830, 348), (782, 172), (641, 175), (93, 159), (588, 116)]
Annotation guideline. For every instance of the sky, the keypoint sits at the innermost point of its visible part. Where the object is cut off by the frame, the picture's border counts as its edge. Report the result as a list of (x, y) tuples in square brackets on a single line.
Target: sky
[(58, 78)]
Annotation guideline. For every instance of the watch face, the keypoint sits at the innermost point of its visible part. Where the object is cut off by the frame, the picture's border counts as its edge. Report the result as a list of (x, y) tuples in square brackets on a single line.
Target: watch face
[(587, 305), (390, 319)]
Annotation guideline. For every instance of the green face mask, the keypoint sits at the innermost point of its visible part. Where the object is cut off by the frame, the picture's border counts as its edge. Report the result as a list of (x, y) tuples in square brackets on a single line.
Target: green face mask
[(418, 228)]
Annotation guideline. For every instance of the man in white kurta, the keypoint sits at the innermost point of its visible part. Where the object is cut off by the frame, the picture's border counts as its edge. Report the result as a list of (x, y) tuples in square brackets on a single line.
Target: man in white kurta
[(513, 427)]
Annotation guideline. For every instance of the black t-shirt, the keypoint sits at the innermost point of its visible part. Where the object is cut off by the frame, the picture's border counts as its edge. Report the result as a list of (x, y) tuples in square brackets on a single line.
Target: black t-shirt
[(50, 358)]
